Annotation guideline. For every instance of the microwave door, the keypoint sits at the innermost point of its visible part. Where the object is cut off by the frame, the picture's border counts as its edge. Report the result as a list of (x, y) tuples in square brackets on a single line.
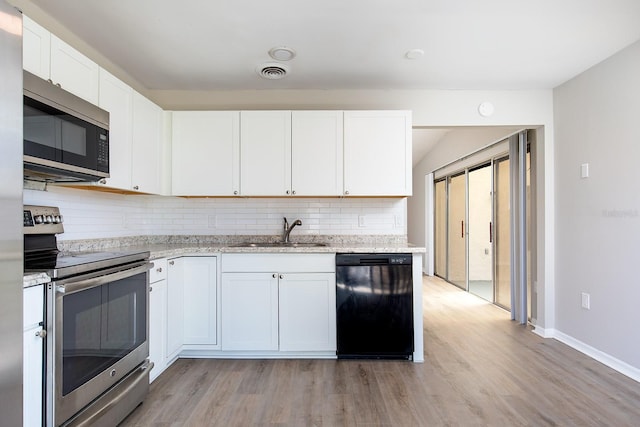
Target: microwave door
[(41, 134), (73, 144)]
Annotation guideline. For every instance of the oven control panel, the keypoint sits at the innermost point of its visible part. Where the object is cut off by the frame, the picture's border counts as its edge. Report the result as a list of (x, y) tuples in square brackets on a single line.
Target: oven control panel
[(42, 220)]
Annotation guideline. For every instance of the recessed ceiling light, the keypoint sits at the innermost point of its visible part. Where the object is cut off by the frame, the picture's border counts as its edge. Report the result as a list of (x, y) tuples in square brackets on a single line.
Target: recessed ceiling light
[(414, 54), (282, 53), (272, 70)]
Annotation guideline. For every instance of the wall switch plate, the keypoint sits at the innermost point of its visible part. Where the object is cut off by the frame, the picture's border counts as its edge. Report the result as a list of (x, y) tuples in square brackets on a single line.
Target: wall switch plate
[(584, 170), (586, 301)]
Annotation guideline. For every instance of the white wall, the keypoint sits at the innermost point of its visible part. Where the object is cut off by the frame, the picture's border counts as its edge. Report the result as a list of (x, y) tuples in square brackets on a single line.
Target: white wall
[(93, 214), (597, 242)]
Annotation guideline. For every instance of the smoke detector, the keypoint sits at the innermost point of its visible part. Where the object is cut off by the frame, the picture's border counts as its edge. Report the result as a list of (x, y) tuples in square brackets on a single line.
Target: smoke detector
[(282, 53), (272, 70)]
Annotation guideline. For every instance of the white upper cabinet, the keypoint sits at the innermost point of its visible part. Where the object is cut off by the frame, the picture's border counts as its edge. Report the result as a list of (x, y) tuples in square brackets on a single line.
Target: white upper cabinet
[(147, 146), (316, 153), (73, 71), (116, 97), (205, 153), (265, 153), (377, 153), (36, 48), (48, 57)]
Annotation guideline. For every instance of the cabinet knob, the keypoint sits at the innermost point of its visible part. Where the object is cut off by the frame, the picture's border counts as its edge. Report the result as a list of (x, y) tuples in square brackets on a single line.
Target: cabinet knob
[(135, 187), (288, 192), (171, 262), (50, 81), (103, 181), (274, 275), (150, 288), (281, 276), (346, 192), (235, 193), (159, 269), (293, 192), (41, 333), (59, 85)]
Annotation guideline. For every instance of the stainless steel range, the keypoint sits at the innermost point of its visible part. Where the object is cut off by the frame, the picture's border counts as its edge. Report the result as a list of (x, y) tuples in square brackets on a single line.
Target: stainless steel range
[(97, 369)]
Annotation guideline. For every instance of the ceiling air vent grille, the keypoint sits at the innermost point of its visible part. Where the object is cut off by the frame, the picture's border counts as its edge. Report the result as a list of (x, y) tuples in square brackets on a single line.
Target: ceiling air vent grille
[(272, 71)]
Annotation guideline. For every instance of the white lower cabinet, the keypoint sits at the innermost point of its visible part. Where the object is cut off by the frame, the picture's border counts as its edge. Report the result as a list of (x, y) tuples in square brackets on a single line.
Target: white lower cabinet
[(157, 317), (192, 299), (200, 301), (33, 355), (249, 311), (278, 302), (307, 312), (175, 308)]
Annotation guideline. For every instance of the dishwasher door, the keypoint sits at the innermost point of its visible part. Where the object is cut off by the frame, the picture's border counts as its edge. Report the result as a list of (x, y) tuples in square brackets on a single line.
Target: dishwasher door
[(374, 301)]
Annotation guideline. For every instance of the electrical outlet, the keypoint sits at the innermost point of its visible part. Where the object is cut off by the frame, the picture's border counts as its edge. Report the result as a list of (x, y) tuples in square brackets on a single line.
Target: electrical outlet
[(397, 219), (361, 221), (586, 301)]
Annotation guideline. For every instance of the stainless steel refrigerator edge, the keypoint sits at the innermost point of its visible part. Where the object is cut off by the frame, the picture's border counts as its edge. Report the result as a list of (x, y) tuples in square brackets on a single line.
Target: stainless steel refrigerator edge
[(11, 256)]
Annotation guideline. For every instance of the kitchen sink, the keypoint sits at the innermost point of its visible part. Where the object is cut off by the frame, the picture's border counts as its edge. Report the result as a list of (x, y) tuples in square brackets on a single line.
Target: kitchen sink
[(279, 245)]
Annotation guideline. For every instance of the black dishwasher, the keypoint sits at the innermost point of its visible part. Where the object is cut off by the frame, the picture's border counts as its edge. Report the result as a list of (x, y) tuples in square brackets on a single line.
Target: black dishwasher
[(374, 301)]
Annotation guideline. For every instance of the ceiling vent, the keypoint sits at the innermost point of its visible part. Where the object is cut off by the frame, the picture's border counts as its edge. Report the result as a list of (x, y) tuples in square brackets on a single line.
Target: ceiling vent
[(272, 70)]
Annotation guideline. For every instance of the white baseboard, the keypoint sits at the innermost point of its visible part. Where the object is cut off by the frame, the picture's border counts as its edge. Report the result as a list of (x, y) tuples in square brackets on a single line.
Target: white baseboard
[(602, 357)]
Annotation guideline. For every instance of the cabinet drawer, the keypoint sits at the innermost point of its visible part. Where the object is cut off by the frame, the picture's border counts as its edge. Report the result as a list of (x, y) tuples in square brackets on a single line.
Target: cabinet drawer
[(159, 270)]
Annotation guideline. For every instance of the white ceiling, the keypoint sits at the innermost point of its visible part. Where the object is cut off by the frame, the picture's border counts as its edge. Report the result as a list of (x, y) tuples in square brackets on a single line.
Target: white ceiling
[(353, 44)]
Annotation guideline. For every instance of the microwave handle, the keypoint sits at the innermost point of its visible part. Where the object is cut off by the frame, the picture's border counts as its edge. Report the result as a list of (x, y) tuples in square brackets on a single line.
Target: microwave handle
[(82, 285)]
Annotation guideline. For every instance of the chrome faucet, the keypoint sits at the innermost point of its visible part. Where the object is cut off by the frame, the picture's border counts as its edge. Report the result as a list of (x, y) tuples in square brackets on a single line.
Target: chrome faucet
[(287, 229)]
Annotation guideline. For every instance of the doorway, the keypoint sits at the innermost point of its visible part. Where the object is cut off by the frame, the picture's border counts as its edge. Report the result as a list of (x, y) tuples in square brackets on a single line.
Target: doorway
[(477, 207)]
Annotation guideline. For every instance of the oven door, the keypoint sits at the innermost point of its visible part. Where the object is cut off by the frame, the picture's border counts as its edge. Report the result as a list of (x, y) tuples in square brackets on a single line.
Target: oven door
[(97, 330)]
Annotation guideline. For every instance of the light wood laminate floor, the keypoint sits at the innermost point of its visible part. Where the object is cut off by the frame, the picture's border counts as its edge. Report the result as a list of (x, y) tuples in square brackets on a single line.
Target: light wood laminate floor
[(480, 369)]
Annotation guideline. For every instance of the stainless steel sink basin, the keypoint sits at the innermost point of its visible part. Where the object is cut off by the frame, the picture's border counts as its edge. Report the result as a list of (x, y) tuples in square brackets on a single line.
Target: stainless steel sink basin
[(279, 245)]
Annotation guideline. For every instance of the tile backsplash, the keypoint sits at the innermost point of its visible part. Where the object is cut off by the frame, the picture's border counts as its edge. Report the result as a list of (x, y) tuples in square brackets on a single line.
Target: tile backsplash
[(94, 214)]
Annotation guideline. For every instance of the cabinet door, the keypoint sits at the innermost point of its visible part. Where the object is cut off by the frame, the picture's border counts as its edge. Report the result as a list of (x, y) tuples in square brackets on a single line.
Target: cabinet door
[(175, 308), (265, 153), (205, 149), (36, 48), (307, 312), (117, 98), (200, 300), (377, 153), (316, 153), (73, 71), (146, 151), (249, 311), (33, 356), (157, 327)]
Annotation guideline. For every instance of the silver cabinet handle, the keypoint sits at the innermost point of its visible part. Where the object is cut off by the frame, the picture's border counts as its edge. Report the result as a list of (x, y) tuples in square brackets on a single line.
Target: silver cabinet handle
[(59, 85), (150, 288), (293, 192), (288, 192), (159, 269), (135, 187), (274, 275), (235, 193), (346, 192), (281, 276), (41, 333), (103, 181), (50, 81), (171, 262)]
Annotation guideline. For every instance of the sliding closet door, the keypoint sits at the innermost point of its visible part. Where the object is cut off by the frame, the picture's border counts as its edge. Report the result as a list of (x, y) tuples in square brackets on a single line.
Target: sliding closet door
[(440, 229), (457, 242), (502, 233), (480, 232)]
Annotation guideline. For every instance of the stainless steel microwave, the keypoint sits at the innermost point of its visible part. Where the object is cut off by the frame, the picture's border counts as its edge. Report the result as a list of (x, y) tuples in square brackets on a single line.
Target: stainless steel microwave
[(65, 137)]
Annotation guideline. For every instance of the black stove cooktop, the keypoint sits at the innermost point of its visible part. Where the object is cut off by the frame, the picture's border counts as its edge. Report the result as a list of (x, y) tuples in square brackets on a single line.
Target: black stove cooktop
[(61, 264)]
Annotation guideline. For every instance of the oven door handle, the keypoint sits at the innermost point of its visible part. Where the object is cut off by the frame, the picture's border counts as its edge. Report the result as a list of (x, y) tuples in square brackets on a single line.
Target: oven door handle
[(82, 285)]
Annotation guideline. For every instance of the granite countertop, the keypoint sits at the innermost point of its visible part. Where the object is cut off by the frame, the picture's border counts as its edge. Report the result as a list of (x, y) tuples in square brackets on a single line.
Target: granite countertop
[(168, 246)]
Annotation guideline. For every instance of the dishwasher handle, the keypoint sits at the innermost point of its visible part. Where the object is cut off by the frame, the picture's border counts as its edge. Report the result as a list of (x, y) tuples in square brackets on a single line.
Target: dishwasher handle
[(373, 259)]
